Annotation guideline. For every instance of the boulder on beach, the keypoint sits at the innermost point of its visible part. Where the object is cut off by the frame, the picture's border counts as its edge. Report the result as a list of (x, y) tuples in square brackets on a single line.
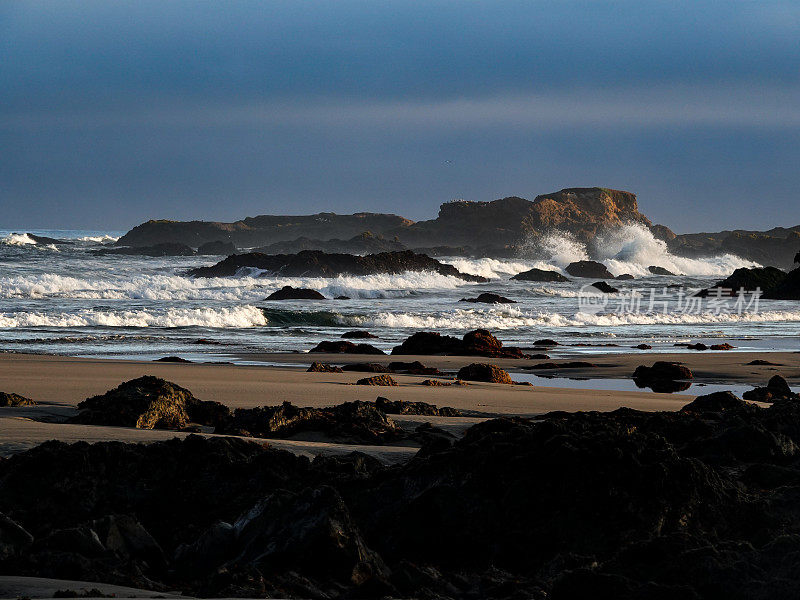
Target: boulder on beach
[(172, 359), (714, 403), (589, 268), (413, 368), (318, 367), (475, 343), (218, 248), (359, 334), (541, 275), (288, 292), (777, 389), (656, 270), (489, 298), (345, 347), (150, 403), (545, 342), (484, 372), (384, 380), (664, 377), (605, 288), (10, 399), (367, 368)]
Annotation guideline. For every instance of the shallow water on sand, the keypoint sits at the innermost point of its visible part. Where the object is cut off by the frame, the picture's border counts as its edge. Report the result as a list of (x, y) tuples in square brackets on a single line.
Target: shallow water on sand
[(65, 300)]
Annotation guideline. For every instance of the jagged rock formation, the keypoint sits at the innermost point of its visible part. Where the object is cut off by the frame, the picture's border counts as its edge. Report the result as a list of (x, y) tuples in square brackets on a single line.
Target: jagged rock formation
[(311, 263), (766, 279), (773, 247), (656, 270), (402, 407), (589, 268), (381, 380), (777, 389), (318, 367), (604, 287)]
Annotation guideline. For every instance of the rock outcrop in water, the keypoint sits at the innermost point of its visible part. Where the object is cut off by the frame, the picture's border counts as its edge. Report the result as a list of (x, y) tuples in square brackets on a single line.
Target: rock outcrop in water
[(345, 347), (589, 268), (700, 503), (288, 292), (489, 298), (542, 275), (773, 247), (475, 343), (312, 263), (655, 270), (764, 278)]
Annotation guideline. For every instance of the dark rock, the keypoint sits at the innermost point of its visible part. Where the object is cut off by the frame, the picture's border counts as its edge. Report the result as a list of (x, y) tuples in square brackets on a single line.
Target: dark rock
[(489, 298), (484, 372), (724, 346), (319, 264), (589, 268), (384, 380), (42, 239), (342, 347), (367, 368), (363, 243), (697, 346), (413, 368), (401, 407), (352, 421), (655, 270), (540, 275), (788, 289), (762, 363), (545, 342), (318, 367), (605, 288), (663, 377), (149, 403), (14, 539), (9, 399), (714, 403), (358, 335), (625, 277), (172, 359), (475, 343), (288, 292), (218, 248), (777, 389), (163, 249), (342, 298), (766, 279), (643, 347)]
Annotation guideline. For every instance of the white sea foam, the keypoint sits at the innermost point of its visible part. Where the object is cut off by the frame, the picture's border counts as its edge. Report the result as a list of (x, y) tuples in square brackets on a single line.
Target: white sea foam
[(98, 239), (511, 318), (18, 239), (488, 267), (237, 317)]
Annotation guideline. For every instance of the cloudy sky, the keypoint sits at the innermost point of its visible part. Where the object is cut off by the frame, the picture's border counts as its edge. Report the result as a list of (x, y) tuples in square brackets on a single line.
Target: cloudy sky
[(112, 113)]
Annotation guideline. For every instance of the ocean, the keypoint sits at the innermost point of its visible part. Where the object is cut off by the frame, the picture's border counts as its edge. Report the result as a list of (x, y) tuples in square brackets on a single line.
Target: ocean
[(65, 300)]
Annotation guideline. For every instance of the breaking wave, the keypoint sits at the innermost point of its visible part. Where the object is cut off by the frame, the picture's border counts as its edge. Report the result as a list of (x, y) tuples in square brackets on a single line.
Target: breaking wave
[(236, 317), (18, 239)]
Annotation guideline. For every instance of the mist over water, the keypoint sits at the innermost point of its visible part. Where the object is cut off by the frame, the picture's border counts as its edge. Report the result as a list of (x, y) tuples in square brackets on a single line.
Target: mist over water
[(64, 299)]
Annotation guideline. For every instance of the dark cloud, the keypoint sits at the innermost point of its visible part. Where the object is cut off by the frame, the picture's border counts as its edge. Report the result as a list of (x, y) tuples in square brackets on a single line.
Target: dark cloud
[(121, 111)]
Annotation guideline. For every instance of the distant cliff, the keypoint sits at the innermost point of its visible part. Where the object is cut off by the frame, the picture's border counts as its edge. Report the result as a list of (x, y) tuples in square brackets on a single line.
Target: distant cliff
[(495, 225), (263, 230), (776, 247)]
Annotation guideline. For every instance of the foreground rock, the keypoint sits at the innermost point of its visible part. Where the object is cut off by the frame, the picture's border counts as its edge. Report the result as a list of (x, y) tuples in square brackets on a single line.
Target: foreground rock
[(700, 503), (401, 407), (288, 292), (475, 343), (163, 249), (605, 288), (589, 268), (540, 275), (776, 390), (655, 270), (312, 263), (766, 279), (345, 347), (489, 298), (359, 422), (150, 403), (318, 367), (382, 380), (484, 372), (359, 334), (10, 399)]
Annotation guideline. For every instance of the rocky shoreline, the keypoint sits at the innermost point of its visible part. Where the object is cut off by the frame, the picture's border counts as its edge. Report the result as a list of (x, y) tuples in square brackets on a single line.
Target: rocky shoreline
[(696, 503)]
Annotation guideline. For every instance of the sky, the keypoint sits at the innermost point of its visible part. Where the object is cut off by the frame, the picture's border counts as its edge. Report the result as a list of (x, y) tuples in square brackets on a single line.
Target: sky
[(112, 113)]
